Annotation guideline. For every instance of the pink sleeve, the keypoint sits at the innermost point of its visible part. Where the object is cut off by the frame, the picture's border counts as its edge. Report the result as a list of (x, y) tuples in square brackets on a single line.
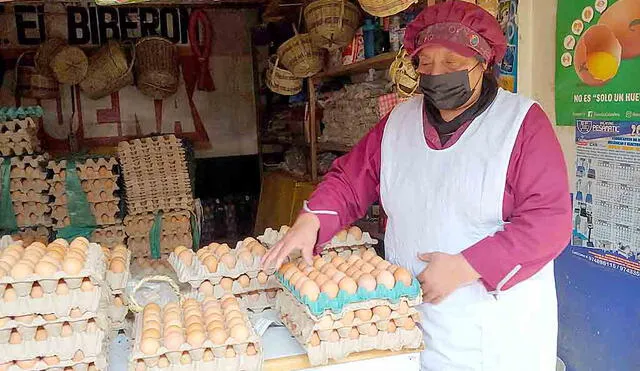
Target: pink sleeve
[(351, 186), (539, 226)]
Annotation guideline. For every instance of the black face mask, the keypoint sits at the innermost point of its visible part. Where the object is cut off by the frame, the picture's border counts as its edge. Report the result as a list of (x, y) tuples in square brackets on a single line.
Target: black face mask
[(449, 90)]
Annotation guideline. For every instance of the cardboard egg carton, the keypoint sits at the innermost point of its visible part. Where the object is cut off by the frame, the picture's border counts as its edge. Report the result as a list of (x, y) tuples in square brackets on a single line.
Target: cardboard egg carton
[(90, 168), (172, 222), (157, 189), (218, 361), (117, 281), (21, 142), (140, 246), (30, 234), (109, 236), (31, 207), (306, 323), (218, 290), (86, 364), (19, 149), (271, 236), (29, 196), (30, 220), (17, 124), (92, 187), (90, 343), (105, 213), (184, 202), (25, 184)]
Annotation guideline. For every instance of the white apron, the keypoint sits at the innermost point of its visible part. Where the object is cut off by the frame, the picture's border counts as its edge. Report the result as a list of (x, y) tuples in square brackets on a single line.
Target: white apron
[(447, 200)]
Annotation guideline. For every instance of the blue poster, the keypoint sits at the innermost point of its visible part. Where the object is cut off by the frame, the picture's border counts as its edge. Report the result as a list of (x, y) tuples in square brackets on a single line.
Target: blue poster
[(508, 68), (606, 204)]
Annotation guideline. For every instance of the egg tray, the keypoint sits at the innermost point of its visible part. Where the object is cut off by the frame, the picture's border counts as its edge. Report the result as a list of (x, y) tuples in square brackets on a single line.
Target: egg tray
[(109, 208), (30, 207), (195, 352), (33, 220), (237, 289), (258, 302), (19, 149), (140, 246), (158, 140), (109, 236), (88, 168), (51, 303), (305, 324), (26, 184), (30, 234), (270, 237), (19, 197), (140, 225), (37, 163), (165, 203), (28, 135), (237, 363), (151, 168), (17, 124), (117, 282), (58, 187), (27, 329), (94, 268), (95, 196), (101, 221), (99, 362), (91, 344), (344, 301)]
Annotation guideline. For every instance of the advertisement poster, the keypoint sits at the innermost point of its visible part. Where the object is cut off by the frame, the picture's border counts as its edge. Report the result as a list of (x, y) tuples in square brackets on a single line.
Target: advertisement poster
[(508, 68), (606, 205), (597, 61)]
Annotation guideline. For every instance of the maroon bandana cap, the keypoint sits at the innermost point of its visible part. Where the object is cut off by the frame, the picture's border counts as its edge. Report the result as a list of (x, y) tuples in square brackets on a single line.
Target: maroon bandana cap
[(460, 26)]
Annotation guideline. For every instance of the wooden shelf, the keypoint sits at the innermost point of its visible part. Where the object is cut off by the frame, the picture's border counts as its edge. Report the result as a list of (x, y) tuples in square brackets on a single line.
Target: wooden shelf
[(378, 62)]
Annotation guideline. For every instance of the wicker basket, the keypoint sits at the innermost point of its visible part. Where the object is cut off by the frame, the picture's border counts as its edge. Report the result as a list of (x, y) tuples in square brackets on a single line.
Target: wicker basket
[(331, 23), (70, 65), (281, 81), (404, 75), (45, 54), (300, 56), (109, 71), (31, 84), (385, 8), (157, 72)]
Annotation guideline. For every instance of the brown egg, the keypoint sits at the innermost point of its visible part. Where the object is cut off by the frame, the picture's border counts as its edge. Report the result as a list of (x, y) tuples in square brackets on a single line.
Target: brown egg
[(382, 311), (66, 330), (372, 330), (173, 340), (27, 364), (313, 275), (263, 278), (622, 18), (402, 275), (206, 288), (207, 356), (383, 265), (46, 269), (391, 327), (310, 289), (354, 334), (246, 257), (300, 282), (229, 302), (222, 250), (117, 265), (229, 353), (195, 338), (149, 345), (228, 260), (347, 318), (367, 282), (348, 285), (368, 254), (10, 294), (403, 308), (78, 356), (36, 291), (295, 277), (21, 270), (337, 277), (330, 288), (72, 265), (349, 272), (186, 257), (15, 337), (321, 279), (51, 360), (218, 336), (364, 315), (251, 350), (163, 361), (244, 281), (597, 55), (27, 319), (386, 279), (211, 263), (86, 285), (226, 283), (239, 332), (151, 333), (319, 263), (337, 261), (343, 267)]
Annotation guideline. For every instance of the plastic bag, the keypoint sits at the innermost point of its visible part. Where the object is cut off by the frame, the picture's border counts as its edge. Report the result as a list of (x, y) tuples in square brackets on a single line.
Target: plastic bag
[(8, 221)]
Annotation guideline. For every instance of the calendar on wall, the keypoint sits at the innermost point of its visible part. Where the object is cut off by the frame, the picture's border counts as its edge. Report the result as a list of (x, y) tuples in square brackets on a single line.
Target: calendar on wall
[(606, 204)]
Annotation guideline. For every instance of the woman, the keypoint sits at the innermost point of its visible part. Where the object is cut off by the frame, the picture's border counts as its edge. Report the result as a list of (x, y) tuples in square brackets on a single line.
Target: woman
[(475, 186)]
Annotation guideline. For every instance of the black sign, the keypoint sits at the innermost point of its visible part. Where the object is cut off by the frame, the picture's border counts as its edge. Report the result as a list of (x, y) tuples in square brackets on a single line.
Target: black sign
[(95, 25)]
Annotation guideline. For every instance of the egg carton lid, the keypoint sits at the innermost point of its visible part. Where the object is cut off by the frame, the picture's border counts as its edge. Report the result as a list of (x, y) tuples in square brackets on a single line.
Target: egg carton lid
[(307, 323), (94, 267), (91, 344), (136, 353), (99, 361), (360, 300)]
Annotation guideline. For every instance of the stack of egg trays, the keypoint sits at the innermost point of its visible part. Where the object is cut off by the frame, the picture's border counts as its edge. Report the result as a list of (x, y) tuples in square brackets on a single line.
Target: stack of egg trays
[(256, 297), (173, 222), (31, 234), (242, 362), (156, 176), (19, 137), (117, 284), (303, 325), (99, 178), (29, 191), (25, 315), (109, 236), (140, 246)]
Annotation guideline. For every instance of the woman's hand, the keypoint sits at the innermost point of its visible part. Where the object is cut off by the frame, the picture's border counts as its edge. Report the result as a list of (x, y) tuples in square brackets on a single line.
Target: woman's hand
[(302, 236), (444, 274)]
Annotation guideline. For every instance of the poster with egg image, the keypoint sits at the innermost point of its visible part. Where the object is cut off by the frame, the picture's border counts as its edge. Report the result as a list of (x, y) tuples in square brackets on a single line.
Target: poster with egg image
[(597, 61)]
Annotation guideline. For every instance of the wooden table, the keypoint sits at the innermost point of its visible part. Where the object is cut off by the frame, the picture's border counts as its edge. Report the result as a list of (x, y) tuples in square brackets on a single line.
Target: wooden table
[(283, 353)]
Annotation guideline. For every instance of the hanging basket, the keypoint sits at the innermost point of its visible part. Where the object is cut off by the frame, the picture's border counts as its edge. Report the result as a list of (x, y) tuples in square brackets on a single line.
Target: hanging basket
[(385, 8), (300, 56), (281, 81), (403, 74), (109, 71), (45, 54), (157, 72), (31, 84), (70, 65), (331, 23)]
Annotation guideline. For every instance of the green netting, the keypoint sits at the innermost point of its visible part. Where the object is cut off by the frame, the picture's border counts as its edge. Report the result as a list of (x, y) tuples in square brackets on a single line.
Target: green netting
[(8, 223), (195, 232), (12, 113), (155, 234), (83, 222)]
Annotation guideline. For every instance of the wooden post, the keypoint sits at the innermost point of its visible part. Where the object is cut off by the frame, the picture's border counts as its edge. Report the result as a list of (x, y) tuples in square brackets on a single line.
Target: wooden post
[(312, 130)]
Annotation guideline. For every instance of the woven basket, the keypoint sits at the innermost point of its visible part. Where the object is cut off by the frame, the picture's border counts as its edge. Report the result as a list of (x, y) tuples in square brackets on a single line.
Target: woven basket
[(403, 74), (281, 81), (385, 8), (109, 71), (70, 65), (331, 23), (45, 54), (300, 56), (31, 84), (157, 72)]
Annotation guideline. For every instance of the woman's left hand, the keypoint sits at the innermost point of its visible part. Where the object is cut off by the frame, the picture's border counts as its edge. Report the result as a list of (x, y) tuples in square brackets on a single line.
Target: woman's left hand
[(444, 273)]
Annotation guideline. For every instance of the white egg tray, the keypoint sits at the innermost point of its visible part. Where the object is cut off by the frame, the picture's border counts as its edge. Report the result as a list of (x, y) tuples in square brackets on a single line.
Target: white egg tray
[(99, 362), (306, 324), (94, 268), (91, 344), (118, 281), (51, 303), (52, 326), (270, 237), (237, 288), (351, 241), (218, 363), (195, 353), (258, 302)]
